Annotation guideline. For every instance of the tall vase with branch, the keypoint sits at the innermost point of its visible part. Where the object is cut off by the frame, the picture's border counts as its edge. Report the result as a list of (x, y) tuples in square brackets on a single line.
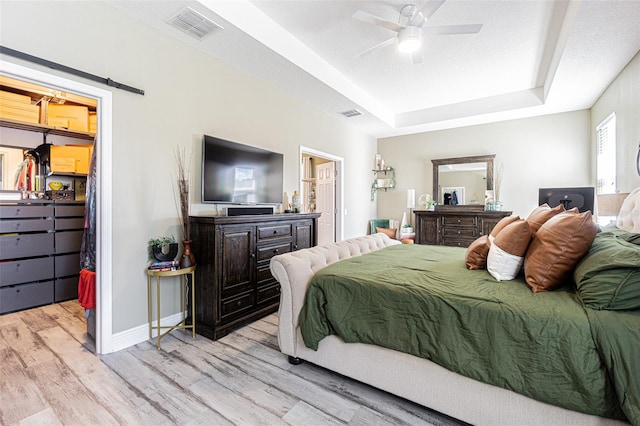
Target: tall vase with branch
[(188, 258), (497, 181)]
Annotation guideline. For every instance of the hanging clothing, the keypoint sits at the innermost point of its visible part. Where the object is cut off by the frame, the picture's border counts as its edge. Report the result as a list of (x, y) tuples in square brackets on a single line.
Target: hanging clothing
[(454, 198), (26, 175), (87, 289)]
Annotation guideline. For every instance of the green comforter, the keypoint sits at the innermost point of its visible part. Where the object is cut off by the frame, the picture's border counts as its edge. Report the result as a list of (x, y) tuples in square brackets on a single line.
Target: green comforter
[(422, 300)]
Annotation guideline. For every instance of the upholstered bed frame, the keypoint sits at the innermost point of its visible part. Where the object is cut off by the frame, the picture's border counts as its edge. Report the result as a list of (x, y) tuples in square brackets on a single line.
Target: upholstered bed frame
[(408, 376)]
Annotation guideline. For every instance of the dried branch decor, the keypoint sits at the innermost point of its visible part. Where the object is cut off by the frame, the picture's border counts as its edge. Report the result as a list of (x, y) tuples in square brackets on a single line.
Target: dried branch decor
[(497, 181), (183, 193)]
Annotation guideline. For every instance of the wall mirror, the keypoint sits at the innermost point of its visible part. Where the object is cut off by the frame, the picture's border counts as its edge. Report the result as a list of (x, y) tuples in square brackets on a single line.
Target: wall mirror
[(462, 181)]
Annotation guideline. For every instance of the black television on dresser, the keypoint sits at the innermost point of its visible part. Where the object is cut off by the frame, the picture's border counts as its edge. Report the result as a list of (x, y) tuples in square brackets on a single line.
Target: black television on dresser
[(580, 197), (235, 173)]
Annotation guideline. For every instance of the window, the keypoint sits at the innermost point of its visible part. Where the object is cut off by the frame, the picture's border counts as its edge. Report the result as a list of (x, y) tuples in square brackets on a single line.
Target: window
[(606, 155)]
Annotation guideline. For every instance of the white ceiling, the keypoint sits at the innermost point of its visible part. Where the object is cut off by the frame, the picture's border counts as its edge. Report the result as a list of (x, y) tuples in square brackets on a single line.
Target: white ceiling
[(531, 57)]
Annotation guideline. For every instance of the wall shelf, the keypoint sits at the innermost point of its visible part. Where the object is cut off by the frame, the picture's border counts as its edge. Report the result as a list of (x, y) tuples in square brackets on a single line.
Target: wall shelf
[(41, 128), (386, 183)]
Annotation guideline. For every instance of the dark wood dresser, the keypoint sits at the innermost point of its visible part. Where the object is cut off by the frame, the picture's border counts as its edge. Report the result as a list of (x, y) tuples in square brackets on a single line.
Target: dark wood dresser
[(454, 225), (234, 283)]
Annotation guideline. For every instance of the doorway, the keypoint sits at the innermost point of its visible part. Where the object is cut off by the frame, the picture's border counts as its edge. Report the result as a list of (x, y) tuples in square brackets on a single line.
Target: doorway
[(103, 183), (321, 187)]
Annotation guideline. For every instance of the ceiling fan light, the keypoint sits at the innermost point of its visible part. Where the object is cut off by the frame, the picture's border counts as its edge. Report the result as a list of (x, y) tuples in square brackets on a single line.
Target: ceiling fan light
[(409, 44), (410, 39)]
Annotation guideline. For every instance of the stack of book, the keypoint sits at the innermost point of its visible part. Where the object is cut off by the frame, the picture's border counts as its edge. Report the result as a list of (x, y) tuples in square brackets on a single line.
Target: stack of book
[(170, 265)]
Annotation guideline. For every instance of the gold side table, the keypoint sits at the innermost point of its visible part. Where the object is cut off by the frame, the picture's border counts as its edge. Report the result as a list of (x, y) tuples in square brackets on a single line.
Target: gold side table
[(182, 273)]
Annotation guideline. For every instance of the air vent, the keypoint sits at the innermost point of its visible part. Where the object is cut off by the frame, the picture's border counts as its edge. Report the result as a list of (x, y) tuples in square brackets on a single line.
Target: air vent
[(351, 113), (193, 23)]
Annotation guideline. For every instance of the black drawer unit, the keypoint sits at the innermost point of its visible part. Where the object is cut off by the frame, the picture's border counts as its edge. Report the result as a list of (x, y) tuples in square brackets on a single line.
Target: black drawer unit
[(40, 244)]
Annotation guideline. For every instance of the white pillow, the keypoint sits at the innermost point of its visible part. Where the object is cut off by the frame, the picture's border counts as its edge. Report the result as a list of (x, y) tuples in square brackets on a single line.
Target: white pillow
[(629, 216), (508, 249), (503, 265)]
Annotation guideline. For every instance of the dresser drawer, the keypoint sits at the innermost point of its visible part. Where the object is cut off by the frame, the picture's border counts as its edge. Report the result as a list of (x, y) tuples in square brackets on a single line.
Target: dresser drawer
[(460, 232), (266, 253), (274, 231), (457, 241), (26, 270), (268, 294), (23, 296), (26, 245), (70, 210), (65, 289), (25, 225), (67, 242), (69, 223), (21, 211), (236, 305), (460, 220), (68, 264), (264, 275)]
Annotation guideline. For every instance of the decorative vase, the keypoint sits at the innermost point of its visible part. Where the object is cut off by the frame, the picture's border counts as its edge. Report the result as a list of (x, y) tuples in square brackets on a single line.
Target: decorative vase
[(188, 258), (166, 252)]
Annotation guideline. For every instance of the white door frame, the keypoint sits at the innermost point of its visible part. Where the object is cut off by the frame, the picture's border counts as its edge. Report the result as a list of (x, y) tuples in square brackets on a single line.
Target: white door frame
[(104, 323), (339, 184)]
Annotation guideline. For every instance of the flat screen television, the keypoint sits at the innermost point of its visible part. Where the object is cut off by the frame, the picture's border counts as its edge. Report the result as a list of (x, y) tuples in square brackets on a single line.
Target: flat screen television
[(235, 173), (580, 197)]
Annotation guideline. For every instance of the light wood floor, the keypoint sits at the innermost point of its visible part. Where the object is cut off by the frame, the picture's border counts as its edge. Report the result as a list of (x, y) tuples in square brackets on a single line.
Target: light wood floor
[(50, 376)]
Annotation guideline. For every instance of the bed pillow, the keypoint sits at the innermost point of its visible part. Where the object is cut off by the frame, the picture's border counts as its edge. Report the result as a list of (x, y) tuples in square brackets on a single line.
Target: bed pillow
[(391, 233), (627, 219), (557, 248), (501, 225), (608, 277), (476, 257), (541, 214), (507, 250)]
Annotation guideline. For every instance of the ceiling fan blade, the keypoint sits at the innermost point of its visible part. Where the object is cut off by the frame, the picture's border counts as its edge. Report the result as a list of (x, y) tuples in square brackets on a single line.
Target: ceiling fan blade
[(431, 7), (363, 16), (416, 57), (378, 46), (452, 29)]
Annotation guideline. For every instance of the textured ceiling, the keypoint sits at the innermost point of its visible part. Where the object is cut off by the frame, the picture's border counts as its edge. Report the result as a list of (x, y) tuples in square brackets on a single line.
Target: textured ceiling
[(531, 57)]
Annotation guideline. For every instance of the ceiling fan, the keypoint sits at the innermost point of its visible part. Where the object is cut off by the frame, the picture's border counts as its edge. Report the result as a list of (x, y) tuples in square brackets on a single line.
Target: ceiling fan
[(411, 28)]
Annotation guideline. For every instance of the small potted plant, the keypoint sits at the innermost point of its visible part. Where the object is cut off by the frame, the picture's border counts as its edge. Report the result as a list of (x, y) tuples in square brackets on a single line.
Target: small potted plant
[(407, 229), (163, 249), (431, 205)]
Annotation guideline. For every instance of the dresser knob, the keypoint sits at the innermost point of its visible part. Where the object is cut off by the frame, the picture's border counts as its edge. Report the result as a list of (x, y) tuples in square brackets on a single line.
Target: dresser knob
[(275, 232), (238, 303), (275, 250)]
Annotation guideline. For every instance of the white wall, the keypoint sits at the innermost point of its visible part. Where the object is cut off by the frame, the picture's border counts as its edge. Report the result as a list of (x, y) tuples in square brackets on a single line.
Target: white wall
[(548, 151), (187, 95), (623, 98)]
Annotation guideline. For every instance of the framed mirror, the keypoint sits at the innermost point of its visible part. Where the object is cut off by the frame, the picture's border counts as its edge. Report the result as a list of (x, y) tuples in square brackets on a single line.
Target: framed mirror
[(462, 181)]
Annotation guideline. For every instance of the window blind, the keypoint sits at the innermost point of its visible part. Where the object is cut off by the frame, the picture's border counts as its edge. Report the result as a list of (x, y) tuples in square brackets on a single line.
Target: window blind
[(606, 155)]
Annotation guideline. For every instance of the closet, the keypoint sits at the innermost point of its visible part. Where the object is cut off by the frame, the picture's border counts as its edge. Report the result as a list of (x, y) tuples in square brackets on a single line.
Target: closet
[(46, 144)]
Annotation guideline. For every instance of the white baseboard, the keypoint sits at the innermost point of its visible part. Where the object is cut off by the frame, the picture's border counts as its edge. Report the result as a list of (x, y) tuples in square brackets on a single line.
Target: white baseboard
[(133, 336)]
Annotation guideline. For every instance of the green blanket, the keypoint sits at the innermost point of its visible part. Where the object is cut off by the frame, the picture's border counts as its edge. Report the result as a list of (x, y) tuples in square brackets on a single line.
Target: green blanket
[(422, 300)]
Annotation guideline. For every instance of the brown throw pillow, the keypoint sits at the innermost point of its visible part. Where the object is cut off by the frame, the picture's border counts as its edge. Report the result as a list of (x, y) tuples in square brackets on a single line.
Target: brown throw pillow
[(541, 214), (391, 233), (515, 238), (557, 248), (501, 224), (507, 250), (476, 257)]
